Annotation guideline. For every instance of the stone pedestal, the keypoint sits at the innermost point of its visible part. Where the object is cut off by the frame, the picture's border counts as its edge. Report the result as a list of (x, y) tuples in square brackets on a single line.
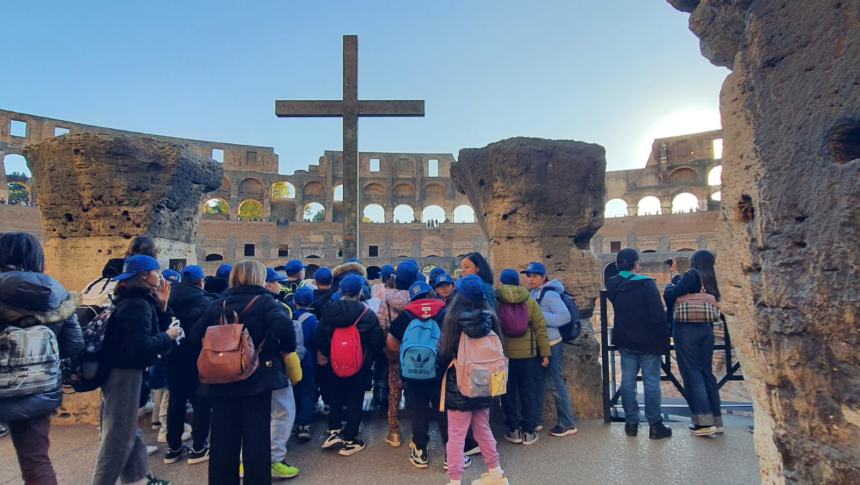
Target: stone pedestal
[(96, 192), (542, 200)]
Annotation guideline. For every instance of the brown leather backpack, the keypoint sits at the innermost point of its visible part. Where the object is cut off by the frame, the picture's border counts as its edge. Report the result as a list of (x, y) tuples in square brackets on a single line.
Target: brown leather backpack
[(228, 352)]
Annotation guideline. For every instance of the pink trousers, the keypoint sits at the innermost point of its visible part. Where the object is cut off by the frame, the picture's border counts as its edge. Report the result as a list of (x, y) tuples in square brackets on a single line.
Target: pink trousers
[(458, 426)]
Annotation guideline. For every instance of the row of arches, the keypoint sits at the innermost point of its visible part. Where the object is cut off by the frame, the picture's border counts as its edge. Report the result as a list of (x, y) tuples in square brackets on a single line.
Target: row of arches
[(650, 205), (254, 188)]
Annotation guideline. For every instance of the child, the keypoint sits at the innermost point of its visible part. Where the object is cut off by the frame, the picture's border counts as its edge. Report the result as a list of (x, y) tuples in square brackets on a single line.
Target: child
[(445, 288), (306, 390), (349, 357), (469, 313)]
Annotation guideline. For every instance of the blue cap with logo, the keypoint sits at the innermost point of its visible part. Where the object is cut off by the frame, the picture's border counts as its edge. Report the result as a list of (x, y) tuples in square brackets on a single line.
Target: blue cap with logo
[(293, 267), (137, 264), (534, 268), (193, 273), (171, 275), (510, 277), (273, 276), (443, 279), (419, 290), (323, 276), (435, 272)]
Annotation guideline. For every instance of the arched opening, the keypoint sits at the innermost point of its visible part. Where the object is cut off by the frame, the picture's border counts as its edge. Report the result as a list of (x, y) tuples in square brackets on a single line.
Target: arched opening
[(648, 206), (649, 251), (464, 214), (214, 257), (251, 188), (313, 189), (404, 213), (404, 191), (685, 202), (433, 213), (684, 176), (283, 190), (717, 196), (373, 213), (615, 208), (338, 193), (250, 210), (374, 190), (18, 193), (312, 256), (434, 192), (217, 209), (428, 267), (16, 165), (686, 250), (314, 212), (715, 175)]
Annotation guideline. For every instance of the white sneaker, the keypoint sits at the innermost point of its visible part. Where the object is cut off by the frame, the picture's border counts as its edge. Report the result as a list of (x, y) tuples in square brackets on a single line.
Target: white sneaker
[(151, 450), (162, 433), (490, 479)]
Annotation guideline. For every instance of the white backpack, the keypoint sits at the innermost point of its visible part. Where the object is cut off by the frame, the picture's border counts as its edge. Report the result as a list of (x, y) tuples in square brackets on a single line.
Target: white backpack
[(29, 361)]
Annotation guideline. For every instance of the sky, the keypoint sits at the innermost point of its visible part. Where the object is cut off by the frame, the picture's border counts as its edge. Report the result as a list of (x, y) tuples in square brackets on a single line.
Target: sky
[(614, 72)]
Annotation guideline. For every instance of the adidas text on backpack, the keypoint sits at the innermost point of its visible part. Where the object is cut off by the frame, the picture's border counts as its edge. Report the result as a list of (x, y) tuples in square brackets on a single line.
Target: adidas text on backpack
[(29, 361), (347, 355), (418, 350)]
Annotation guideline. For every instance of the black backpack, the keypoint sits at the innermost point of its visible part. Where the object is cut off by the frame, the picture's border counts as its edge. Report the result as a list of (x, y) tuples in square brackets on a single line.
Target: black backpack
[(571, 330)]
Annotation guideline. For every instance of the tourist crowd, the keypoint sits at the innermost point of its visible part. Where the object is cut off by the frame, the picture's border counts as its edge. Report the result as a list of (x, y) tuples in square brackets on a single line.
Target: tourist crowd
[(252, 353)]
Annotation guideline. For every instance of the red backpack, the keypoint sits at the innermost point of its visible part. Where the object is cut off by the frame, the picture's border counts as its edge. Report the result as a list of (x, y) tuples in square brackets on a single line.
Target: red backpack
[(514, 318), (347, 356)]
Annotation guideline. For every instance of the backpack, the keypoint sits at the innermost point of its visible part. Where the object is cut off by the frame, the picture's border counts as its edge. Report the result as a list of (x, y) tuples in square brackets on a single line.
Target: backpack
[(228, 354), (347, 355), (481, 367), (418, 350), (571, 330), (29, 361), (514, 318), (85, 372), (300, 334)]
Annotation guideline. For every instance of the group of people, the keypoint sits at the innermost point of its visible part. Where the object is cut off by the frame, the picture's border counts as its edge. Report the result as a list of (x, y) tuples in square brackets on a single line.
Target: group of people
[(330, 339)]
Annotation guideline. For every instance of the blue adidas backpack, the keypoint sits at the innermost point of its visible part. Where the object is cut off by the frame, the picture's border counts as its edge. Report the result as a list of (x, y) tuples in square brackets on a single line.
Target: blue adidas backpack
[(418, 350)]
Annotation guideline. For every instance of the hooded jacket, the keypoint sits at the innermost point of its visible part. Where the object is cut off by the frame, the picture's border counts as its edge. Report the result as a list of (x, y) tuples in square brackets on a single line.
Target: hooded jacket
[(321, 297), (342, 314), (640, 321), (134, 336), (393, 302), (28, 299), (188, 303), (535, 341), (554, 310), (475, 325), (341, 271)]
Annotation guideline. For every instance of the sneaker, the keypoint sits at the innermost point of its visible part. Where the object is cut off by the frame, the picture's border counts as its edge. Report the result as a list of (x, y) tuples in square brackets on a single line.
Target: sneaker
[(303, 433), (466, 463), (471, 448), (539, 427), (351, 447), (631, 429), (151, 450), (162, 434), (283, 470), (659, 431), (490, 479), (721, 430), (198, 456), (560, 430), (172, 456), (153, 480), (156, 426), (696, 430), (530, 438), (514, 436), (418, 456), (393, 438), (333, 439)]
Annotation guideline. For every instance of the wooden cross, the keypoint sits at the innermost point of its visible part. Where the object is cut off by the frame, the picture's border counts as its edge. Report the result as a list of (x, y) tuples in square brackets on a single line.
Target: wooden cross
[(350, 109)]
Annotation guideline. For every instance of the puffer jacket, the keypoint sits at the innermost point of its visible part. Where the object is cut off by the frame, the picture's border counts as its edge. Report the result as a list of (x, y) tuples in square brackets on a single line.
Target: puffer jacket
[(342, 314), (475, 325), (135, 336), (28, 299), (555, 312), (535, 341), (188, 303)]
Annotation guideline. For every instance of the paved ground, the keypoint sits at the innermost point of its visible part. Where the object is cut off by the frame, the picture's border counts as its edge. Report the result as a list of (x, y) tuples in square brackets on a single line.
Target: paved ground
[(597, 454)]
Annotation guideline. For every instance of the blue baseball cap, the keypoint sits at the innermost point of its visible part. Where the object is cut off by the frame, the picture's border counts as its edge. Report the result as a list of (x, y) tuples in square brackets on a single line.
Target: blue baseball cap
[(304, 296), (353, 260), (443, 279), (274, 276), (171, 275), (386, 271), (407, 273), (418, 290), (534, 268), (472, 288), (351, 285), (323, 276), (224, 271), (510, 277), (137, 264), (193, 273), (293, 267), (435, 272)]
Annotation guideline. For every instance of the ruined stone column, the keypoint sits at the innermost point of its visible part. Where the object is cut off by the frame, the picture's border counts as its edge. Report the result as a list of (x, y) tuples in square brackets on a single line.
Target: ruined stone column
[(96, 192), (542, 200), (788, 251)]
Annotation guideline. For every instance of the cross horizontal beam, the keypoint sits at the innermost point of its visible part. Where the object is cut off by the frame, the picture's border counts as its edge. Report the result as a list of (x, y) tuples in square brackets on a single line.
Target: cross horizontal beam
[(336, 109)]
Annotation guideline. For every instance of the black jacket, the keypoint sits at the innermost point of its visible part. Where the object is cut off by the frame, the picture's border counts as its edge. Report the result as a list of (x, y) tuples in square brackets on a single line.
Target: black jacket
[(188, 303), (475, 325), (135, 335), (321, 297), (216, 285), (28, 299), (268, 320), (640, 320), (342, 314)]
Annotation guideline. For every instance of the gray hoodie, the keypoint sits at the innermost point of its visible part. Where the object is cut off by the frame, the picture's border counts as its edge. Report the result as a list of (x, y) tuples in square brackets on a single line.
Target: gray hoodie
[(554, 311)]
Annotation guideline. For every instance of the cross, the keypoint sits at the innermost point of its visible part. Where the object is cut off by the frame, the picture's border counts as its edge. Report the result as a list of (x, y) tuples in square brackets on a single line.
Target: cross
[(350, 109)]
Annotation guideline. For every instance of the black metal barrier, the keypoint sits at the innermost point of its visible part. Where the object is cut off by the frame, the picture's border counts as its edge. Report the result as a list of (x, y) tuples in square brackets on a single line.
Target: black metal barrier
[(612, 392)]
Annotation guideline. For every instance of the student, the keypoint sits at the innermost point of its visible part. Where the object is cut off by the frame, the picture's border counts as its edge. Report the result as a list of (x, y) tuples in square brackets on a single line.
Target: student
[(322, 294), (28, 417), (218, 283), (379, 399), (642, 334), (306, 390), (694, 346), (445, 288), (475, 264), (435, 273), (527, 349), (469, 313), (135, 343), (275, 283), (241, 411), (339, 323), (385, 281), (188, 302)]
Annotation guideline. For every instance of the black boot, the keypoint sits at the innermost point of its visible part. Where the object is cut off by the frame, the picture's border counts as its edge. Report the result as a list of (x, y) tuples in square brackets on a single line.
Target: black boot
[(631, 429), (659, 431)]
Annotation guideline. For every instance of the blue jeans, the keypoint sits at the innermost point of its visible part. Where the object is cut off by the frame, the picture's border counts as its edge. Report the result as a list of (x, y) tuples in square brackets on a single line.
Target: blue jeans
[(306, 396), (694, 345), (631, 362), (554, 379)]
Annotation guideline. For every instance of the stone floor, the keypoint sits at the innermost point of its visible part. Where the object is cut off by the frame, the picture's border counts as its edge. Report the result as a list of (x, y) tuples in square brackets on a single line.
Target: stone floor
[(598, 454)]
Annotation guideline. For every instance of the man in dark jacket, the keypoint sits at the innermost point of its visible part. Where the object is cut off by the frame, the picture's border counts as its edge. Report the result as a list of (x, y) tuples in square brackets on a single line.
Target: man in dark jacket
[(642, 334), (348, 391)]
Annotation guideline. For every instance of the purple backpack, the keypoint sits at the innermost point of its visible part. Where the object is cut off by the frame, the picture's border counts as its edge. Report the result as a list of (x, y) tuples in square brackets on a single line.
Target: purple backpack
[(514, 318)]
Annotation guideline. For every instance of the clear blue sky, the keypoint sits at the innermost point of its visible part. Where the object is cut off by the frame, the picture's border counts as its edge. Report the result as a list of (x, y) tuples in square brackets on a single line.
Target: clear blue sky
[(615, 72)]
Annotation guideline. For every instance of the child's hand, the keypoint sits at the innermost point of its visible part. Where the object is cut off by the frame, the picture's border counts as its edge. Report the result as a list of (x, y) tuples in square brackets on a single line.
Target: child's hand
[(544, 362)]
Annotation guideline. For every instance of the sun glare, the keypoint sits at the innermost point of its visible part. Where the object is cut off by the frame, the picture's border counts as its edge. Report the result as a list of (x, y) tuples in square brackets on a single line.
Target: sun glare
[(682, 122)]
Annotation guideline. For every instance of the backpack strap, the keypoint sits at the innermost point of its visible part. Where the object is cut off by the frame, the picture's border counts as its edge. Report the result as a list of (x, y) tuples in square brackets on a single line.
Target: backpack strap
[(363, 312), (444, 385), (543, 293)]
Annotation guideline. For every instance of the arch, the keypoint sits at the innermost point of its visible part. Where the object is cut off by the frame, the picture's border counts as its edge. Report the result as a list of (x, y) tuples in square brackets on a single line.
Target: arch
[(686, 250), (251, 188), (213, 257), (404, 213), (313, 189), (373, 213), (684, 176), (16, 164), (312, 256), (715, 175), (314, 212), (216, 208), (717, 196), (338, 193), (615, 208), (433, 213), (404, 190), (464, 214), (649, 251), (648, 206), (374, 189), (225, 185), (18, 193), (685, 202), (250, 210), (434, 190), (283, 190)]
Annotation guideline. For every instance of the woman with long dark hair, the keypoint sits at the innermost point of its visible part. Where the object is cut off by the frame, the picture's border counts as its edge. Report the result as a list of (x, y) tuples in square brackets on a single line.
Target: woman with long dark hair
[(476, 264), (694, 345)]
